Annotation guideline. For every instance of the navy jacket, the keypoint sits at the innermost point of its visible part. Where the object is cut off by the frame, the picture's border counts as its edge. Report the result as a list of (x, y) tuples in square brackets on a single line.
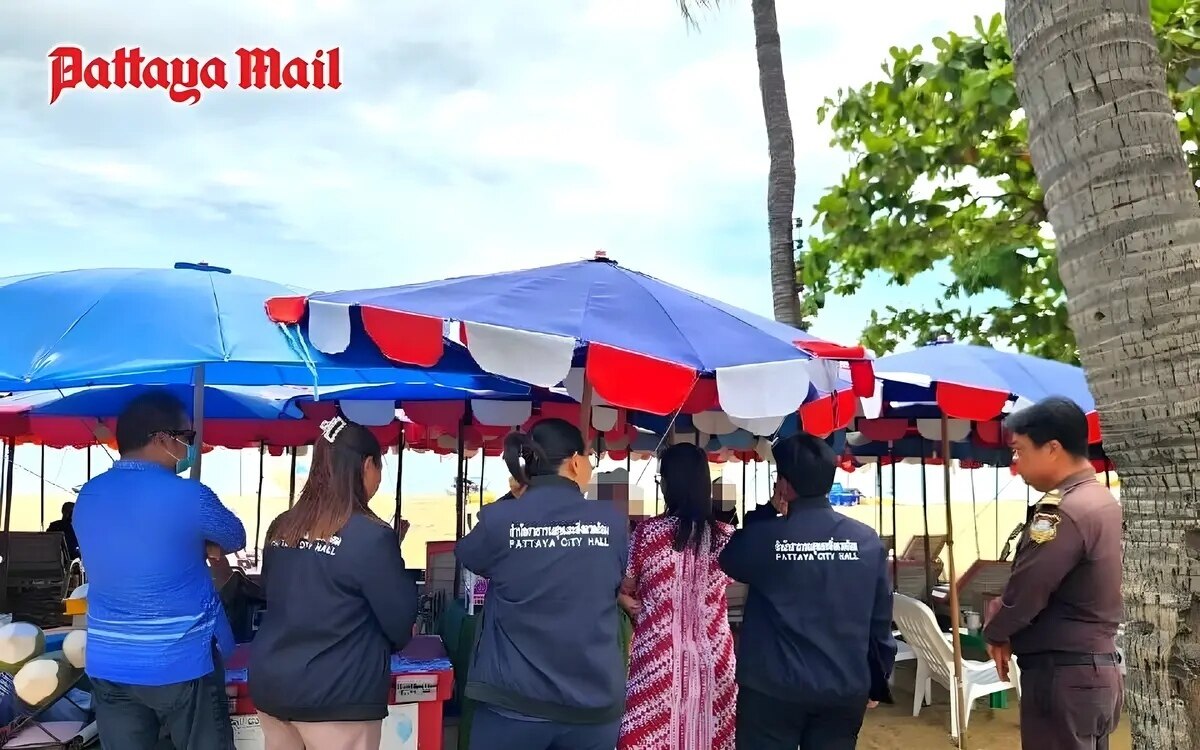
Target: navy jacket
[(548, 641), (818, 621), (336, 611)]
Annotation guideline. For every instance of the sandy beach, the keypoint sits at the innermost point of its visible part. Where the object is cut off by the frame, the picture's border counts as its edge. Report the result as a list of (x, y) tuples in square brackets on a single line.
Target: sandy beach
[(894, 728)]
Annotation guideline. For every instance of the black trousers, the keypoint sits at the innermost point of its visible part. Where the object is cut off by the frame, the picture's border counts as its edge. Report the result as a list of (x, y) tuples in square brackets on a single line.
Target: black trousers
[(767, 723), (1072, 707), (493, 731), (193, 715)]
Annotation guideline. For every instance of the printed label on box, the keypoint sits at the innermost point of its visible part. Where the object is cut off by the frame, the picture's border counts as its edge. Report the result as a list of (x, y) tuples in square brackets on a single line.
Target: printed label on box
[(416, 688)]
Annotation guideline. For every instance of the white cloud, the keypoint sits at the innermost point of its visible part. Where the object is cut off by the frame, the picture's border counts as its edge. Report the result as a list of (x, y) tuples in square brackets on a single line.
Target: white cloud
[(466, 136)]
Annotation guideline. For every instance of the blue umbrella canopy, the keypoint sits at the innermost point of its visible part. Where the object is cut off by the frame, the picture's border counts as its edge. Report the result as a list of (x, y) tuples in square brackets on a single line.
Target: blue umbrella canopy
[(129, 326)]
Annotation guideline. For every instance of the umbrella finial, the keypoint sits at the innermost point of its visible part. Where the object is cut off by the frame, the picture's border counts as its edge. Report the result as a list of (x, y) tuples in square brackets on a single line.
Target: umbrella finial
[(602, 257), (201, 266)]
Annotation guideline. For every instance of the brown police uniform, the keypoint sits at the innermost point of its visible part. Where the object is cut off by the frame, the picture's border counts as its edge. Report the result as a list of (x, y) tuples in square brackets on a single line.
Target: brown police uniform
[(1060, 612)]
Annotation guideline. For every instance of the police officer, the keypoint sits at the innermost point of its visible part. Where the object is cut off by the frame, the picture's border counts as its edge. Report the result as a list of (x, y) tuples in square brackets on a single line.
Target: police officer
[(816, 645), (548, 670), (1060, 610)]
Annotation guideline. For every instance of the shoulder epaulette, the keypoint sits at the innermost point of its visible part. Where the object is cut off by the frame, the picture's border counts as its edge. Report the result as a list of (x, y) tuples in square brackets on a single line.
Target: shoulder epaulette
[(1051, 498)]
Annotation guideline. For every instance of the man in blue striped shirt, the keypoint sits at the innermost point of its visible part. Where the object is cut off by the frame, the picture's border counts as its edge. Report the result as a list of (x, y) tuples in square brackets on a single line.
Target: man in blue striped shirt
[(156, 627)]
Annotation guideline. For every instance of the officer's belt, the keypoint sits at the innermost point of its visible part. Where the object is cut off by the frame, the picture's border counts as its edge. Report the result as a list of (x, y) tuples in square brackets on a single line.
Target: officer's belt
[(1045, 659)]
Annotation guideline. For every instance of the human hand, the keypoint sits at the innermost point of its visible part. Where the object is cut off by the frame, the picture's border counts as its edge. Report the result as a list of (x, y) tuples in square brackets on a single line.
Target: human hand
[(629, 604), (1001, 653), (872, 704)]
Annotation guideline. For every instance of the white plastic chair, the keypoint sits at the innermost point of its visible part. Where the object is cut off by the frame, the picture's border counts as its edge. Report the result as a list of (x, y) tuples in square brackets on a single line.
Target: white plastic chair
[(935, 662)]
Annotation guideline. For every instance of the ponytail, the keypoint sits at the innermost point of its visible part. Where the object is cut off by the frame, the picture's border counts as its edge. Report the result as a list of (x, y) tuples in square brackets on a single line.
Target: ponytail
[(519, 447), (542, 450)]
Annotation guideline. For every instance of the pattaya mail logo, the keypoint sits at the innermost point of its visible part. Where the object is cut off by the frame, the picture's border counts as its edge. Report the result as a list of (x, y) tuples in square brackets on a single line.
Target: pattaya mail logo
[(186, 79)]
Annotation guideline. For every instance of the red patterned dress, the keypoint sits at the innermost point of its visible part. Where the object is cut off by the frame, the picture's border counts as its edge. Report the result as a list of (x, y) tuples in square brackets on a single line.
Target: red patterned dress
[(682, 694)]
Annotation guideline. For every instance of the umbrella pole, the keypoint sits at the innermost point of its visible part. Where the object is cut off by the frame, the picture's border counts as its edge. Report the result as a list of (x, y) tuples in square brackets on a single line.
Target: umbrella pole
[(198, 426), (895, 557), (399, 479), (262, 458), (42, 486), (997, 467), (925, 520), (460, 500), (743, 492), (1107, 478), (9, 463), (89, 461), (955, 636), (292, 480), (482, 466), (879, 493)]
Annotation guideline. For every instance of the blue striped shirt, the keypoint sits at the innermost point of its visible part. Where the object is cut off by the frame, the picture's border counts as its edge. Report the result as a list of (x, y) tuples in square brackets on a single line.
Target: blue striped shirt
[(153, 613)]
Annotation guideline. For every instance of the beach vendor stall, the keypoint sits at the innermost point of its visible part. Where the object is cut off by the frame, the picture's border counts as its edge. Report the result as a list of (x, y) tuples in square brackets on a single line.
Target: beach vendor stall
[(422, 681)]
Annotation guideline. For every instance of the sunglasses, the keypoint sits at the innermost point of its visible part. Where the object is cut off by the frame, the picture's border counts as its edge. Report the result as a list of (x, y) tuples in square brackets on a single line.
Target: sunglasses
[(184, 436)]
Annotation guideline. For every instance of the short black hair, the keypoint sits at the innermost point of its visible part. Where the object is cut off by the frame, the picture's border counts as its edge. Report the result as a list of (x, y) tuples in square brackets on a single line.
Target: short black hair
[(808, 464), (147, 415), (67, 506), (1054, 418)]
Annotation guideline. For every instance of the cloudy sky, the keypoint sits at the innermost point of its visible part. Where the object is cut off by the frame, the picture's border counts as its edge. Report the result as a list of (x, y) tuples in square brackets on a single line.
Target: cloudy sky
[(467, 137)]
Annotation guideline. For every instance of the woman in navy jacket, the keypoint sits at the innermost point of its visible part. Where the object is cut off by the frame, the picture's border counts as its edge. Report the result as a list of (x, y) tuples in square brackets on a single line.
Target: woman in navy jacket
[(339, 603), (548, 668)]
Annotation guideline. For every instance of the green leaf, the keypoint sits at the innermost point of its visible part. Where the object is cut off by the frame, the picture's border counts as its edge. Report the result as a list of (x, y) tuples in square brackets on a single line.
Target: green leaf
[(877, 144), (1003, 93)]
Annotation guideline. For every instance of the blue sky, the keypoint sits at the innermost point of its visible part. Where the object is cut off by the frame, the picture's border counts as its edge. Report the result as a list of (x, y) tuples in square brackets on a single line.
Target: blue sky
[(468, 137)]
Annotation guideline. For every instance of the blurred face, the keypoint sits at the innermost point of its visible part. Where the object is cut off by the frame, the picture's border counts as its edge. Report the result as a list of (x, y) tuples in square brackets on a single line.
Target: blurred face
[(372, 476), (1040, 466)]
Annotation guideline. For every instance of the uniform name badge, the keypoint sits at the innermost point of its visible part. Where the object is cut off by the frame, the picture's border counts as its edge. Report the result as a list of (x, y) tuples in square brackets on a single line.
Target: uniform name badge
[(1044, 528)]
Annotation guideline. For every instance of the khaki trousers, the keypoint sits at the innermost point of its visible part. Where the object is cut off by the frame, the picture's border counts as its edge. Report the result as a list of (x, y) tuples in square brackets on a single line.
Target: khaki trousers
[(323, 735)]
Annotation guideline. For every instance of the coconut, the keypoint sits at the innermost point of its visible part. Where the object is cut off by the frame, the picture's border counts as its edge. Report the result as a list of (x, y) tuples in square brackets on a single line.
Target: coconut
[(20, 642), (75, 648), (45, 679)]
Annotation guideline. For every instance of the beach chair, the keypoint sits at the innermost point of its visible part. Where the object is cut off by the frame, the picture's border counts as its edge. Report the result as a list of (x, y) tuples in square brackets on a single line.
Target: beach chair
[(38, 576), (889, 542), (984, 580), (916, 548), (935, 662), (910, 578)]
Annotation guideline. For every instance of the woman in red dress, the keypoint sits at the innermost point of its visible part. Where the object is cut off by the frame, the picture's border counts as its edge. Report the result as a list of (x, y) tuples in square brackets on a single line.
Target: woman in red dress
[(682, 694)]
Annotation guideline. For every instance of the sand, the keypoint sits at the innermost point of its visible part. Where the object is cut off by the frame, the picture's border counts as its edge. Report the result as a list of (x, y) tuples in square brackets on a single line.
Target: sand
[(894, 728)]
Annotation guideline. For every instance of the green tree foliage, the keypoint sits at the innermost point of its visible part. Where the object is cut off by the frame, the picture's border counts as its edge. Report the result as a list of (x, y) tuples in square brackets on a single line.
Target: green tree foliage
[(940, 176)]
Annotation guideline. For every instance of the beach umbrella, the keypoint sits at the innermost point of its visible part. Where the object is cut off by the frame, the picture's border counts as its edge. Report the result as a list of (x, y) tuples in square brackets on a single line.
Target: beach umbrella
[(611, 335), (969, 382), (956, 384), (193, 324), (122, 326)]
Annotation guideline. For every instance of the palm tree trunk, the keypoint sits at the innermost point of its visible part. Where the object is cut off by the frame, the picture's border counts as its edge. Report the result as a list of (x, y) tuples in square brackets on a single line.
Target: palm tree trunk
[(781, 187), (1106, 148)]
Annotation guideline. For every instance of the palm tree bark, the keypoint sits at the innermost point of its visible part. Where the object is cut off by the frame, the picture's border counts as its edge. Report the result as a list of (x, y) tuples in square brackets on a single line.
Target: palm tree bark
[(781, 185), (1106, 148)]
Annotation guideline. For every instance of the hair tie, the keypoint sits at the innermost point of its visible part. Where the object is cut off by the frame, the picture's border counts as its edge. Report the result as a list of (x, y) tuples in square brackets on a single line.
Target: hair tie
[(333, 427)]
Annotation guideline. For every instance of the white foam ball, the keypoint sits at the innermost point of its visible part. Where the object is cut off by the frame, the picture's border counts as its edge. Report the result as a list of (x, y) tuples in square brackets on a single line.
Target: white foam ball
[(44, 680), (75, 648), (20, 642)]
